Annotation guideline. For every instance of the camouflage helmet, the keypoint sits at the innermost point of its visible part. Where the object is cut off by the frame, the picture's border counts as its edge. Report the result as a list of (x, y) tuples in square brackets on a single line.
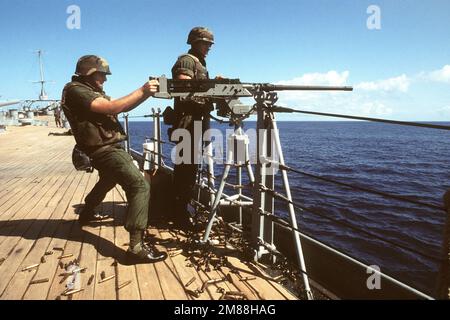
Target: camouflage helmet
[(89, 64), (200, 34)]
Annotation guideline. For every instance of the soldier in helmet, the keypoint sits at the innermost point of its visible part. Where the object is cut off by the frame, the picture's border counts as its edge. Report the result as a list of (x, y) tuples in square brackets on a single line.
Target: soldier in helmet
[(93, 118), (191, 65)]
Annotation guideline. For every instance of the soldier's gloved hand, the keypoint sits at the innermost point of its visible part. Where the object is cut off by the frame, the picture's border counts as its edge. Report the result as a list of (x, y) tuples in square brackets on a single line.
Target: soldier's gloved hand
[(151, 87)]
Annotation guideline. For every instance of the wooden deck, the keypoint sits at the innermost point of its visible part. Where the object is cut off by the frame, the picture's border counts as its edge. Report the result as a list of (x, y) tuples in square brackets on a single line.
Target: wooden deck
[(39, 195)]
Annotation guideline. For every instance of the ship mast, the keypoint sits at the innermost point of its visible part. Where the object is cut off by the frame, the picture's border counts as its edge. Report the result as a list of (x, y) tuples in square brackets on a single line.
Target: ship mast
[(43, 95)]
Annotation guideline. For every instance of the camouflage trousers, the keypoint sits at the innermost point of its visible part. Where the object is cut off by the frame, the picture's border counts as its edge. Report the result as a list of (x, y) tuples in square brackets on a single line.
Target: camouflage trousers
[(115, 166)]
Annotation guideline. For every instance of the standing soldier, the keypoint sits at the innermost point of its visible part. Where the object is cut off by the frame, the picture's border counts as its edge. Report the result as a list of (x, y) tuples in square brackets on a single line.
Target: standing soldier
[(190, 66), (57, 112), (93, 118)]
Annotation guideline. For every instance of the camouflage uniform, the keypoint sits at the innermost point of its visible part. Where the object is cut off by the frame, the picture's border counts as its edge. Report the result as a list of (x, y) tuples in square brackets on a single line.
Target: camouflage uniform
[(100, 136), (186, 113)]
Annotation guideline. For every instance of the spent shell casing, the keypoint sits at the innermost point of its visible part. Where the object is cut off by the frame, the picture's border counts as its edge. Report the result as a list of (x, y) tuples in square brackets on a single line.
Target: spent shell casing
[(82, 270), (70, 292), (189, 282), (39, 281), (31, 267), (124, 284), (64, 277), (69, 273), (235, 293), (107, 278), (91, 278), (247, 278)]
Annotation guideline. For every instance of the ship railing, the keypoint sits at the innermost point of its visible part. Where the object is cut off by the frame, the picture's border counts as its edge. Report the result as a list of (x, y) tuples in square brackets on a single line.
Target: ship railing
[(443, 286), (155, 161), (270, 247)]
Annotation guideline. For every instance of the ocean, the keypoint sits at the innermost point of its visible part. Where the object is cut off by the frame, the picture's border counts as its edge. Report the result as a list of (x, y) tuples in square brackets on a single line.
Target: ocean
[(399, 160)]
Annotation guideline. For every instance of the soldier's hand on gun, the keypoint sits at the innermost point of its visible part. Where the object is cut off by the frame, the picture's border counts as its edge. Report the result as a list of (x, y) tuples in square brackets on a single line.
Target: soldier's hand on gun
[(151, 87)]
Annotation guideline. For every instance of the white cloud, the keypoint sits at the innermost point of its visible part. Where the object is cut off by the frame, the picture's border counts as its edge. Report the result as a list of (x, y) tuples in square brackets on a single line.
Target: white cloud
[(331, 78), (362, 102), (375, 108), (400, 83), (383, 98), (441, 75)]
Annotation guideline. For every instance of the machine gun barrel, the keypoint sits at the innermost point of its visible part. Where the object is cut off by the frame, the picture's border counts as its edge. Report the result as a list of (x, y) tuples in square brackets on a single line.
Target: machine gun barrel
[(281, 87)]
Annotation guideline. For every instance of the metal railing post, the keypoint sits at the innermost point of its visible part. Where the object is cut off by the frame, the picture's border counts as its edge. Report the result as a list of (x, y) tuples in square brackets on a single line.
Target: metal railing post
[(155, 140), (257, 232), (127, 131)]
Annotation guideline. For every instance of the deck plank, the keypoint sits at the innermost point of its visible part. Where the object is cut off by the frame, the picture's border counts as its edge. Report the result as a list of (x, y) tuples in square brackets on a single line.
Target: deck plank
[(105, 255), (73, 241), (24, 190), (185, 273), (88, 254), (147, 277), (171, 284), (45, 230), (124, 272), (17, 222), (61, 225), (263, 284), (24, 244), (27, 228)]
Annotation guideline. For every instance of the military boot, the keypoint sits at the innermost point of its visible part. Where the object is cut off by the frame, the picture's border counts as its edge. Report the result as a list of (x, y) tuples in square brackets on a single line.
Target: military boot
[(87, 215), (143, 253), (140, 252)]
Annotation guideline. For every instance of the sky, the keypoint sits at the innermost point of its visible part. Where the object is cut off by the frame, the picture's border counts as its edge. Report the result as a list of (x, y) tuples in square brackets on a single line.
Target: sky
[(396, 54)]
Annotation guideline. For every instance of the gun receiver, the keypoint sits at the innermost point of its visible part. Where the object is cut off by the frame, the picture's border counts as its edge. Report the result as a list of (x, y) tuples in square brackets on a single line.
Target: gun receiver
[(223, 88)]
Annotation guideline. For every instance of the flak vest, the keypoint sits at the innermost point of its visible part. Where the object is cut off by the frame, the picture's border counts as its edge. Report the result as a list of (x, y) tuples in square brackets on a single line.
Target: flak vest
[(188, 111), (200, 71), (91, 130)]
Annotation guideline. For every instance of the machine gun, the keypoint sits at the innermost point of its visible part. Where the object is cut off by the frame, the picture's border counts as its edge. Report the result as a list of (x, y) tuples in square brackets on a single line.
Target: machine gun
[(226, 92)]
